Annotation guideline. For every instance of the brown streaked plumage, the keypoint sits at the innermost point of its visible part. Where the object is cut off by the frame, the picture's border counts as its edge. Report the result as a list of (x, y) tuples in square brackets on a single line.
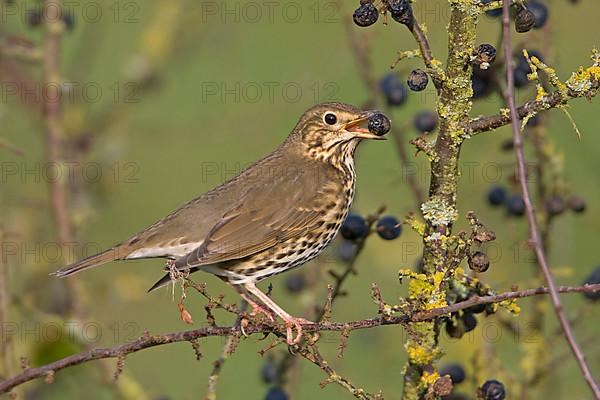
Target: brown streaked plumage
[(277, 214)]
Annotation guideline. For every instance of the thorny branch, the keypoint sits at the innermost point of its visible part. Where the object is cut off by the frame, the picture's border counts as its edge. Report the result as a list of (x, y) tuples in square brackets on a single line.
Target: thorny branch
[(148, 340), (534, 233)]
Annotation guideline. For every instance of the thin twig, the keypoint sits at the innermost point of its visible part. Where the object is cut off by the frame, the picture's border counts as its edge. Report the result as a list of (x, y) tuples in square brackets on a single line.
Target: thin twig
[(531, 218)]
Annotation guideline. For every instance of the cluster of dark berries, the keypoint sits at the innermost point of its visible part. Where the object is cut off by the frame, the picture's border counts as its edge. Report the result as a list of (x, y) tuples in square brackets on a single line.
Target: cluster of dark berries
[(379, 124), (367, 14), (464, 321), (533, 15), (556, 205), (593, 279), (35, 19), (426, 121), (514, 204), (492, 390), (356, 228), (393, 89)]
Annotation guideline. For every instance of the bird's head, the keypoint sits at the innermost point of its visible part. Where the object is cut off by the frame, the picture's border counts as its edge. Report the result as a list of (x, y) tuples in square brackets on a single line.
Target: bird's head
[(328, 129)]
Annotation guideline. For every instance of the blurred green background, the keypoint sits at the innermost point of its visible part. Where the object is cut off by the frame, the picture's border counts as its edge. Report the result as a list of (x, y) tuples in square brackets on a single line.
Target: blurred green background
[(165, 144)]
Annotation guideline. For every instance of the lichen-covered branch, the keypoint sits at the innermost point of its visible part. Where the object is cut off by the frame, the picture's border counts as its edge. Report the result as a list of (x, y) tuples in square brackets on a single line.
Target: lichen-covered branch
[(583, 83), (439, 211)]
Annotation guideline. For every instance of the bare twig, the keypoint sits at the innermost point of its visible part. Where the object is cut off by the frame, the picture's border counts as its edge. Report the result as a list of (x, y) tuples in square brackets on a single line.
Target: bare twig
[(531, 218), (148, 341)]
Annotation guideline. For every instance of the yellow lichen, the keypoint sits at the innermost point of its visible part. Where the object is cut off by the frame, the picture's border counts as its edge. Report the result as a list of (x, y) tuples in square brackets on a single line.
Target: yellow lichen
[(430, 378), (426, 290), (417, 226), (511, 306), (418, 355)]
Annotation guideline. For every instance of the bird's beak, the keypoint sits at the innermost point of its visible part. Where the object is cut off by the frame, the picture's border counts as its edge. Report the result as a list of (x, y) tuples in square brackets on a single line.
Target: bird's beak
[(357, 127)]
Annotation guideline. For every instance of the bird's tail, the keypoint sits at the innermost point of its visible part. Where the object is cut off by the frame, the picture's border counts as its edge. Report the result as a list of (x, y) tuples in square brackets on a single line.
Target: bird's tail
[(88, 262), (165, 280), (168, 278)]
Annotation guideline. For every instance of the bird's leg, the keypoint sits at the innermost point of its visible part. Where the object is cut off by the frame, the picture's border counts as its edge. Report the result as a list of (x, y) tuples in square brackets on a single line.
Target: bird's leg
[(289, 320), (256, 308)]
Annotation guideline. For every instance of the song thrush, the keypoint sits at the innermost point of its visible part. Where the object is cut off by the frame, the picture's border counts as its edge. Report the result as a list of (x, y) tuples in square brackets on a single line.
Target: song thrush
[(275, 215)]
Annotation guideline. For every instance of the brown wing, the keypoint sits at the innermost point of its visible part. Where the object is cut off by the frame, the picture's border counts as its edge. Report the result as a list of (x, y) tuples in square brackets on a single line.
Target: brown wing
[(184, 230), (291, 205)]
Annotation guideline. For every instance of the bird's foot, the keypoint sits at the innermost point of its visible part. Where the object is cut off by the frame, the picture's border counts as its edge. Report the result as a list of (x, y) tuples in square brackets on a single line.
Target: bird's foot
[(294, 322), (256, 310)]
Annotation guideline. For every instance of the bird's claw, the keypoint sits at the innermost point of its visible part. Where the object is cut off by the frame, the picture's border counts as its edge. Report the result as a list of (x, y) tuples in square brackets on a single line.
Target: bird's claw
[(243, 324), (295, 323)]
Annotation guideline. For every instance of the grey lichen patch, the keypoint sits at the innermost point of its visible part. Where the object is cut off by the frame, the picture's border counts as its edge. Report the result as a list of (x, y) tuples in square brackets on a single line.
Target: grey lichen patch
[(438, 212)]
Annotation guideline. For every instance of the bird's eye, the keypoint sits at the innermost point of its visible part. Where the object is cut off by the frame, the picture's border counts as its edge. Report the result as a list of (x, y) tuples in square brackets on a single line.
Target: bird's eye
[(330, 119)]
